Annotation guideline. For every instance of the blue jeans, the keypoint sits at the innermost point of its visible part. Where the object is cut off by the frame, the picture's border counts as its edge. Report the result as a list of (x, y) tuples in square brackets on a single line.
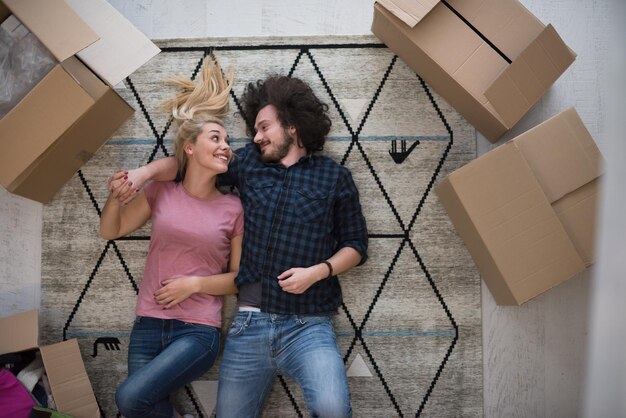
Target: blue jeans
[(163, 355), (260, 345)]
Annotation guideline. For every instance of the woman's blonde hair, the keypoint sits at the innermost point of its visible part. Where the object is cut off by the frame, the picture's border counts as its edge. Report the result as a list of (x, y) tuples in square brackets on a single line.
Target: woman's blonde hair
[(197, 103)]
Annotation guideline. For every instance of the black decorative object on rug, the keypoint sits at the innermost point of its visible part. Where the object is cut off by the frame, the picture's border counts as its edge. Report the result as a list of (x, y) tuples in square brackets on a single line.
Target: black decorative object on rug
[(410, 325)]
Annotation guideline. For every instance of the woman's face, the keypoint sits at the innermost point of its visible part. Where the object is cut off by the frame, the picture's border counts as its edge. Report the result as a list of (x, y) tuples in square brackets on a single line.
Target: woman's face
[(211, 149)]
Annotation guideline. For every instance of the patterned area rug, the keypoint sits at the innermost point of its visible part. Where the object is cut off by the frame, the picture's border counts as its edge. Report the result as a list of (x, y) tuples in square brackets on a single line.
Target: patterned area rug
[(410, 325)]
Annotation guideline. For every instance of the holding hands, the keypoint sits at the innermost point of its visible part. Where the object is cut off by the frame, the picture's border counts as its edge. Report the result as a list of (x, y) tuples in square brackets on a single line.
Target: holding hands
[(125, 184)]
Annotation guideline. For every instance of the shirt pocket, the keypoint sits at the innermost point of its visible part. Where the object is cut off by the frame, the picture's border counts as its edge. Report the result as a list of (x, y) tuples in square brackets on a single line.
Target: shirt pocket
[(259, 193), (311, 205)]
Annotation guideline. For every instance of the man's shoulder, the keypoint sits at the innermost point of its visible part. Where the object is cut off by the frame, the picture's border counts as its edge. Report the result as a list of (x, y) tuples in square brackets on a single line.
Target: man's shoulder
[(248, 150), (327, 163)]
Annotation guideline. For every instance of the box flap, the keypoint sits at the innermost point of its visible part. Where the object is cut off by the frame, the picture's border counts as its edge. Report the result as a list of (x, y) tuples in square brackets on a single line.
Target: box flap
[(38, 120), (561, 153), (409, 11), (122, 48), (507, 24), (55, 24), (19, 332), (523, 82), (578, 212), (68, 378), (92, 85)]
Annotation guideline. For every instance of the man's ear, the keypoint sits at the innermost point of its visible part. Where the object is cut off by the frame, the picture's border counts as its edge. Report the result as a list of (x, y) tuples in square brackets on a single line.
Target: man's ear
[(293, 132)]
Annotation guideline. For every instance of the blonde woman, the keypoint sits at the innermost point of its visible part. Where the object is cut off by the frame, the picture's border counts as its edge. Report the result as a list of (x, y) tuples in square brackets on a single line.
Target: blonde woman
[(193, 256)]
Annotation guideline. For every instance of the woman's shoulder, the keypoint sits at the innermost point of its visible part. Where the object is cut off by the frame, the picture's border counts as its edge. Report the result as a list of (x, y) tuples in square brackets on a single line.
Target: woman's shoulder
[(232, 199), (161, 185), (157, 188)]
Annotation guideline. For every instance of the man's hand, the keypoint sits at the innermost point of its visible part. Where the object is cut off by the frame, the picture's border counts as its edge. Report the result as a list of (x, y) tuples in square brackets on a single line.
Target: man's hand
[(298, 279), (174, 291)]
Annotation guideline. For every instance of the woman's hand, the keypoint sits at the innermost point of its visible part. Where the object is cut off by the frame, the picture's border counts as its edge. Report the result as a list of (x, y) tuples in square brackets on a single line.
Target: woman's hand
[(176, 290), (128, 185), (118, 184)]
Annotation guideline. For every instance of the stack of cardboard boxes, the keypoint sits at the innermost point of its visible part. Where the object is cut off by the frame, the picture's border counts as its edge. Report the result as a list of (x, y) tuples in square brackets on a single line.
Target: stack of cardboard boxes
[(525, 210)]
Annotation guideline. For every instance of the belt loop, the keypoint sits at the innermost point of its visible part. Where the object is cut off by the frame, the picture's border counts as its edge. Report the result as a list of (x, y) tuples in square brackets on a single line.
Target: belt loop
[(248, 317)]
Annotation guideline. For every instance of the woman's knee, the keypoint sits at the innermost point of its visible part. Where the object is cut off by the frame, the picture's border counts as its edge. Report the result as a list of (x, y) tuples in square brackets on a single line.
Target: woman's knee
[(131, 402)]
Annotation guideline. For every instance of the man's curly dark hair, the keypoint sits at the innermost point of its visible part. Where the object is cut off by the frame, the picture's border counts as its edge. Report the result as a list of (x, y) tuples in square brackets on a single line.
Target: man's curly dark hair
[(296, 105)]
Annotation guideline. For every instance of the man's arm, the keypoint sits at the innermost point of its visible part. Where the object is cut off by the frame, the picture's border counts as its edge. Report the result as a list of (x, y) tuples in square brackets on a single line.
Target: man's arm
[(350, 229), (165, 169), (298, 279)]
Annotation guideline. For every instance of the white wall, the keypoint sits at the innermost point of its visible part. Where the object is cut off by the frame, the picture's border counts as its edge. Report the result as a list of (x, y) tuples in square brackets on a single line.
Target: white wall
[(534, 355)]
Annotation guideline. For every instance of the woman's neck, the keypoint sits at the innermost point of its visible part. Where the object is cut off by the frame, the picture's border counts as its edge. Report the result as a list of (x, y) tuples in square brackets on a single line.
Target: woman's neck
[(201, 185)]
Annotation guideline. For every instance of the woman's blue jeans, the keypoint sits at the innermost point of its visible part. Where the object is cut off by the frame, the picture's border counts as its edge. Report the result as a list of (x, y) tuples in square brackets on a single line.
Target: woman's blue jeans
[(163, 355), (260, 345)]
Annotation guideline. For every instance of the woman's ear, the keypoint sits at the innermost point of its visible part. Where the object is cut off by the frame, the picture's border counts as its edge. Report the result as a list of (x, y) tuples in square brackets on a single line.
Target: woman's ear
[(188, 149)]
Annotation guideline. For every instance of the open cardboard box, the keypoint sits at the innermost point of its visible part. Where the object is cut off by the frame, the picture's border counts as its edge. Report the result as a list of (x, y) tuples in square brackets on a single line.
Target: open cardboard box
[(73, 110), (526, 210), (64, 365), (492, 60)]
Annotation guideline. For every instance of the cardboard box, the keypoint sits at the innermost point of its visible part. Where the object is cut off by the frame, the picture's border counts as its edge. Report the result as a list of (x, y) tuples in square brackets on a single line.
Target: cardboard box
[(490, 59), (70, 385), (69, 114), (527, 209)]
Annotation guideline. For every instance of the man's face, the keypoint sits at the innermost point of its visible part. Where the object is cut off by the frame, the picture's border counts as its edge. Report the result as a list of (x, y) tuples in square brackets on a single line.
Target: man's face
[(273, 140)]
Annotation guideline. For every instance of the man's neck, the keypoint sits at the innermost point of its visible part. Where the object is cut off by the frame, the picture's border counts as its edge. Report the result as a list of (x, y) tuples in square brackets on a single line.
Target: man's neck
[(294, 155)]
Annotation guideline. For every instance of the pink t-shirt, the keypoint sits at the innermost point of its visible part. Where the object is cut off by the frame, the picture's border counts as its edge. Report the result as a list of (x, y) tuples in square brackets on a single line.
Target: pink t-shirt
[(190, 237)]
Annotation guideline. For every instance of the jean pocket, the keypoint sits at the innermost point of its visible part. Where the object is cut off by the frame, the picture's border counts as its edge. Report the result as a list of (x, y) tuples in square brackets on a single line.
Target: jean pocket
[(239, 324)]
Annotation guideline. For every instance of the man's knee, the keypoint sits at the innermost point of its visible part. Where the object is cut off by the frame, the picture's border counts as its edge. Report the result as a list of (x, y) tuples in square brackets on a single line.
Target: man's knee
[(331, 407)]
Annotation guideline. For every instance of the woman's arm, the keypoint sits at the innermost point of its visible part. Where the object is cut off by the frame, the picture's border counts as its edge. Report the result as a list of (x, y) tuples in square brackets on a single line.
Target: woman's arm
[(117, 220), (176, 290)]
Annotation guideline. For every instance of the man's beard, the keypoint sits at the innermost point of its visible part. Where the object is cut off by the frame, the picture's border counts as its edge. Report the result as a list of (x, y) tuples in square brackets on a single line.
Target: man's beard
[(280, 150)]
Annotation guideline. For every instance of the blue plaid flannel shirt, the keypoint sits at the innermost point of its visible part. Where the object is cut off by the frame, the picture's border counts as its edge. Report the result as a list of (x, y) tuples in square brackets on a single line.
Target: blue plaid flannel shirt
[(295, 217)]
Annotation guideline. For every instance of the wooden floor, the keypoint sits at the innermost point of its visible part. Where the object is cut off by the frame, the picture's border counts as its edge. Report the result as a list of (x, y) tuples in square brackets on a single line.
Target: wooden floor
[(534, 355)]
